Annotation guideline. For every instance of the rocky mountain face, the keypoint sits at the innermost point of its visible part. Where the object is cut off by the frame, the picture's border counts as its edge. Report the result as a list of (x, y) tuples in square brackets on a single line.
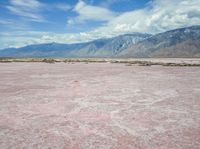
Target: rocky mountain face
[(184, 42)]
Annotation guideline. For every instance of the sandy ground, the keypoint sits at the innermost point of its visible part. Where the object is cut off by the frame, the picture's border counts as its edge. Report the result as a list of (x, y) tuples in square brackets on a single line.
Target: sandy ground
[(99, 106)]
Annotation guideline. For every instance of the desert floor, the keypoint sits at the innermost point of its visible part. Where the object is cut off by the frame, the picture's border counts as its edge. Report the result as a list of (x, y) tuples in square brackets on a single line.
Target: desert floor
[(99, 106)]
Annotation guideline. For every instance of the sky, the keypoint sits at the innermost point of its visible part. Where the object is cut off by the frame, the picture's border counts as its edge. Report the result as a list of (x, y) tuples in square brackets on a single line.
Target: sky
[(25, 22)]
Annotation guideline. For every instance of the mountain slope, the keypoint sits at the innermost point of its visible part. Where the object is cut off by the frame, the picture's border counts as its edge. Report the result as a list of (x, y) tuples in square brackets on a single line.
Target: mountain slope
[(98, 48), (184, 42)]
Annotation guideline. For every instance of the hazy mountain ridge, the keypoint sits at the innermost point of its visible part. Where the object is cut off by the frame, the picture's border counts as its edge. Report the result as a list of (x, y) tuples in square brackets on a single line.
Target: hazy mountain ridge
[(97, 48), (183, 42)]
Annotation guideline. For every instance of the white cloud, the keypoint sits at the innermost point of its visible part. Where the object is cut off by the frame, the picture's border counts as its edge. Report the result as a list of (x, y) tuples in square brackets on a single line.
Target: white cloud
[(32, 9), (93, 13), (6, 22), (23, 38), (29, 10), (159, 16), (32, 4), (63, 7), (28, 14)]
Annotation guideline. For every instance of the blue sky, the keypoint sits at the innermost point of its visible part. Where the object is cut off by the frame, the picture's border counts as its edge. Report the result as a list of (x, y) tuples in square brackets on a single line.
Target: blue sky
[(24, 22)]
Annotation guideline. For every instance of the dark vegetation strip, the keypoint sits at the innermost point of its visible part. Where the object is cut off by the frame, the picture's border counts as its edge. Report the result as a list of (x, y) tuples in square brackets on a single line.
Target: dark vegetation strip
[(97, 60)]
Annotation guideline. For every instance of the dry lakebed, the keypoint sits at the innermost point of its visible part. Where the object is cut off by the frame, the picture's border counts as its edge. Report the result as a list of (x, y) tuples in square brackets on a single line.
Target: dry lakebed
[(98, 106)]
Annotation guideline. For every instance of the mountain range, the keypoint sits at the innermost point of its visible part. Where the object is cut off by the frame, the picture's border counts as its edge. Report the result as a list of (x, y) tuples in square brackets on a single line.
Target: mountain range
[(182, 42)]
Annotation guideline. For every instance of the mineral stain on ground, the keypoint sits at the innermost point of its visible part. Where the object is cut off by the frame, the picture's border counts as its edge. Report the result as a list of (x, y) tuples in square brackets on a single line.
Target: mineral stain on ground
[(99, 106)]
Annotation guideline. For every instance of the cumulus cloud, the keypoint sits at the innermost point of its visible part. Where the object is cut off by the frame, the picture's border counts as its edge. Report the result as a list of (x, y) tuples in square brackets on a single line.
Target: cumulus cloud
[(88, 12), (159, 16)]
